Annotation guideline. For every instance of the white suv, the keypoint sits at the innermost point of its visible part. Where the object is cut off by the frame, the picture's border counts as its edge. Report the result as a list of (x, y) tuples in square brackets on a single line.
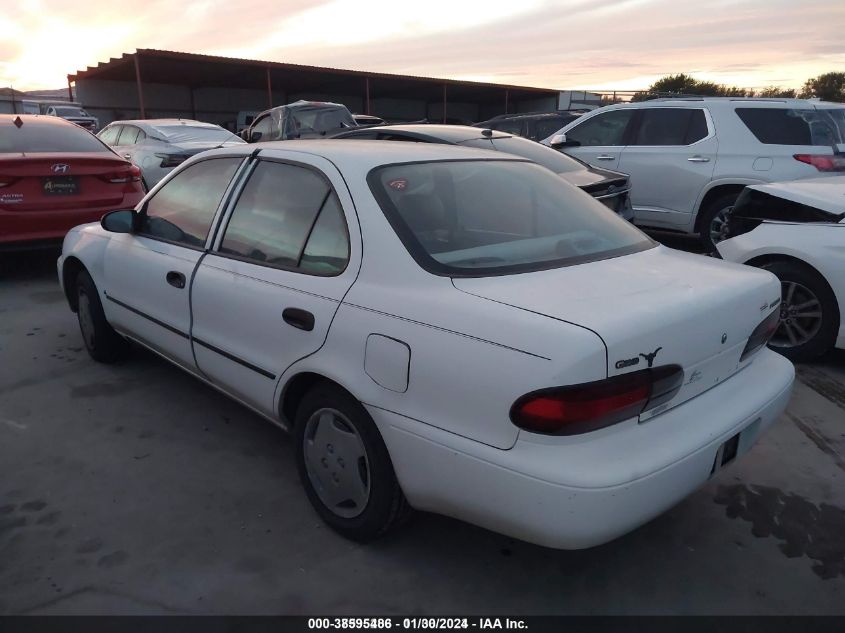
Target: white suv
[(689, 158)]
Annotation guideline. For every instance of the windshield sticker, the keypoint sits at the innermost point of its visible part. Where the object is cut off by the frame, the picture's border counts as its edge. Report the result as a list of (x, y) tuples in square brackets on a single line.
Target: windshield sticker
[(399, 184)]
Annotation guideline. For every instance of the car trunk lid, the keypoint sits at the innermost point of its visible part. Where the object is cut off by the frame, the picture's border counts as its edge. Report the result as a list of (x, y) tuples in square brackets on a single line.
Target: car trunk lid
[(56, 181), (657, 307)]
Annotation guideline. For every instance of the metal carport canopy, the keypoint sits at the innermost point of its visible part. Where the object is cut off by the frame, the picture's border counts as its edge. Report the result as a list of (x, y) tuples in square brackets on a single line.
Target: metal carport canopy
[(170, 67)]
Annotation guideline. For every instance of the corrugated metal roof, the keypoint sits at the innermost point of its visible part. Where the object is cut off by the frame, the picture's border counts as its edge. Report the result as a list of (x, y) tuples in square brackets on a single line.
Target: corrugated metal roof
[(153, 70)]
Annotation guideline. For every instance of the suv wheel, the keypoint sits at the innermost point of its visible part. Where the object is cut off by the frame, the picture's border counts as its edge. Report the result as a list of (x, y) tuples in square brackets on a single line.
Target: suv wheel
[(713, 223)]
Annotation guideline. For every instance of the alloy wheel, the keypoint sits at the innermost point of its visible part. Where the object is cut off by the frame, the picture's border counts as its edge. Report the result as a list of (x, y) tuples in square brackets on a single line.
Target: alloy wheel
[(719, 225), (800, 316)]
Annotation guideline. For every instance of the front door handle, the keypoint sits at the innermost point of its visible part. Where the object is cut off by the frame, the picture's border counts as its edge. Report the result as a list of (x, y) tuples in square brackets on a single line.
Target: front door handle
[(605, 157), (698, 159), (298, 318), (127, 156), (176, 279)]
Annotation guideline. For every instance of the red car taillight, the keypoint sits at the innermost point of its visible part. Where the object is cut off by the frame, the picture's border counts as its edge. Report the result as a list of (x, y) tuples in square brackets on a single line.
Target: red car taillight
[(129, 174), (594, 405), (822, 162), (761, 334)]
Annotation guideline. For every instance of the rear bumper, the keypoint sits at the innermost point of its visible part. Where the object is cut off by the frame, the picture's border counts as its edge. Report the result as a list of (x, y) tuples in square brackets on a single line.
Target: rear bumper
[(20, 228), (581, 491)]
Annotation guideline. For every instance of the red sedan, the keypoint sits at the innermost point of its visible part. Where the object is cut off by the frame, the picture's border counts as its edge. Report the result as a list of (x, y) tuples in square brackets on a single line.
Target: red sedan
[(55, 175)]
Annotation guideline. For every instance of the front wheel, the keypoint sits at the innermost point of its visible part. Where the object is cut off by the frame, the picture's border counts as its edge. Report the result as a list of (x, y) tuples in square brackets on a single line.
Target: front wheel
[(809, 315), (102, 342), (344, 465)]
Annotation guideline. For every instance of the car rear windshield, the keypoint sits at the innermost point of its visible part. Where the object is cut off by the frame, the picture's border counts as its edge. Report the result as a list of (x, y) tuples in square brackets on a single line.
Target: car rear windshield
[(34, 137), (547, 157), (764, 206), (792, 126), (476, 218), (69, 111), (192, 133)]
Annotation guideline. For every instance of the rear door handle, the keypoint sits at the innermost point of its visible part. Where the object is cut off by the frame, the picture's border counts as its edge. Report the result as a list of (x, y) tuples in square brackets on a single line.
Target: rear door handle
[(605, 157), (298, 318), (698, 159), (176, 279)]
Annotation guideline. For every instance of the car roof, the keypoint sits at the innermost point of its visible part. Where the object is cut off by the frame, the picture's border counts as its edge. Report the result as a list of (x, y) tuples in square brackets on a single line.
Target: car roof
[(349, 154), (448, 133), (682, 101), (826, 193), (40, 119), (155, 123)]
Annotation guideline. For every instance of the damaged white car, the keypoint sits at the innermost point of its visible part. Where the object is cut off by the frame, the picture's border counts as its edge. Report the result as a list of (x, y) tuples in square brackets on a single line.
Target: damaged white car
[(796, 230)]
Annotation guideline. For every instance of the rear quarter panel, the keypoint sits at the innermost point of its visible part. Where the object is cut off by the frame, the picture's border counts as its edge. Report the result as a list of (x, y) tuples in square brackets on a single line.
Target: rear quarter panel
[(470, 358), (822, 246)]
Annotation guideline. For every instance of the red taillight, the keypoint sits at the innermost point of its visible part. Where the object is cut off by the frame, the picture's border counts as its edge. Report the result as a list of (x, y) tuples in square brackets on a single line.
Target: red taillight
[(823, 162), (128, 174), (5, 181), (594, 405), (761, 334)]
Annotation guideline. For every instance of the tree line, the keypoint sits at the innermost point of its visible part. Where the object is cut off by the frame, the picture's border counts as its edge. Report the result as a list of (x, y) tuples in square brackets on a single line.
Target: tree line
[(827, 87)]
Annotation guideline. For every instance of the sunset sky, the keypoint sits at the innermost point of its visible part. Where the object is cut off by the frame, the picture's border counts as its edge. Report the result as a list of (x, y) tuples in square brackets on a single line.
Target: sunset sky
[(601, 44)]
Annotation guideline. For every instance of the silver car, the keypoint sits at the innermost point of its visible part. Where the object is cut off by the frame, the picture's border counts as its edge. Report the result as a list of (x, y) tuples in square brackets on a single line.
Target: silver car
[(156, 146)]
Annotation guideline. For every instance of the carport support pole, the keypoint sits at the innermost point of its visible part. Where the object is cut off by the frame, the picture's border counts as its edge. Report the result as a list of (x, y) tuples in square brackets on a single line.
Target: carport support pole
[(269, 89), (367, 90), (69, 91), (140, 89)]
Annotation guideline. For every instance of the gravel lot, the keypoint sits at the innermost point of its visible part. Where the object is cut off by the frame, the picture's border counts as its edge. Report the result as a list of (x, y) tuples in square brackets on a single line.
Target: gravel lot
[(136, 489)]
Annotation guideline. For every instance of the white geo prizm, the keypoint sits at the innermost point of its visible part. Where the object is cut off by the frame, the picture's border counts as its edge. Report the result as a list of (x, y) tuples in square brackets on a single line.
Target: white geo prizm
[(442, 328)]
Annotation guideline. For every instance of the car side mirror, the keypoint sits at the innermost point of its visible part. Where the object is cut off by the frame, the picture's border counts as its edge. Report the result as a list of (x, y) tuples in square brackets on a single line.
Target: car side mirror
[(120, 221), (560, 140), (254, 137)]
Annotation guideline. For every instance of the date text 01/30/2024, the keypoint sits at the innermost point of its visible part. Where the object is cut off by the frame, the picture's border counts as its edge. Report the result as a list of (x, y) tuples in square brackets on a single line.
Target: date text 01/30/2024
[(417, 623)]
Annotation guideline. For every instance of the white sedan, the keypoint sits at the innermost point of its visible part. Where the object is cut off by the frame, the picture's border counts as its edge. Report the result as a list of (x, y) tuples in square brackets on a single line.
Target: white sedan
[(796, 230), (441, 328), (156, 146)]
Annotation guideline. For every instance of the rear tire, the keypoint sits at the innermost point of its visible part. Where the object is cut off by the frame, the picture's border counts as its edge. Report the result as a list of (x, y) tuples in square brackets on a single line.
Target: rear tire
[(809, 312), (344, 465), (102, 342), (712, 221)]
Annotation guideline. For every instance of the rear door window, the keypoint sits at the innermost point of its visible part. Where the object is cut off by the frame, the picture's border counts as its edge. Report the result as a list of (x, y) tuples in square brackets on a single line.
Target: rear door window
[(128, 136), (670, 126), (288, 217), (606, 129), (109, 135), (791, 126), (183, 209)]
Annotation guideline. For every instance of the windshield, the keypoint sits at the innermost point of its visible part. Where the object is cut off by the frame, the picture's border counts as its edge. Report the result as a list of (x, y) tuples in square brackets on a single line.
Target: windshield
[(34, 138), (485, 217), (196, 133), (546, 156), (67, 111), (321, 119)]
